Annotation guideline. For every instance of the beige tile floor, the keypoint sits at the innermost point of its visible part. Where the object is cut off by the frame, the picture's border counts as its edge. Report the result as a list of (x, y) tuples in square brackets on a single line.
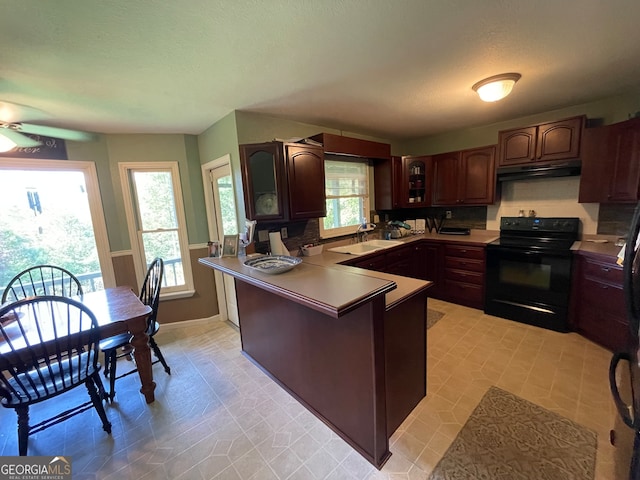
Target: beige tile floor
[(219, 417)]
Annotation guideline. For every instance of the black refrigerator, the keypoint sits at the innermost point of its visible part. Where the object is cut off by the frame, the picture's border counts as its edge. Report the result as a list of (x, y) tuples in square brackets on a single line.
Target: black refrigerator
[(624, 370)]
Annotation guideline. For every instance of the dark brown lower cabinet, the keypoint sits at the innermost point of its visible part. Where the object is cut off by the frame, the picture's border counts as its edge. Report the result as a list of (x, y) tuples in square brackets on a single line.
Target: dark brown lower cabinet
[(456, 270), (464, 274), (361, 373), (597, 301), (431, 266), (402, 261)]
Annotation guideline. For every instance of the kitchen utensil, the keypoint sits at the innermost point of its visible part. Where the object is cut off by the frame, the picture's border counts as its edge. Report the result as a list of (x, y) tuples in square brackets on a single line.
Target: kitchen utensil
[(273, 264)]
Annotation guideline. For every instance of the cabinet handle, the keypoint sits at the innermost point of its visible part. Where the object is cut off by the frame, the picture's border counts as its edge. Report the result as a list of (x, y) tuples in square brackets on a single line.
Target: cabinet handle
[(463, 251), (604, 287), (464, 264), (605, 269)]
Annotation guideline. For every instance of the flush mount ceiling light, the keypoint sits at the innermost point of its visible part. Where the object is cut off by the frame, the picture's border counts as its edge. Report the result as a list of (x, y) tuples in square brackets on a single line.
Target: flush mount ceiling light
[(6, 144), (497, 87)]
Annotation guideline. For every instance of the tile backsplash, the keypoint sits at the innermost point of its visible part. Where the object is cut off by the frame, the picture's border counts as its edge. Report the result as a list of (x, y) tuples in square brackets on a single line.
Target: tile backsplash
[(615, 219), (553, 197), (549, 197)]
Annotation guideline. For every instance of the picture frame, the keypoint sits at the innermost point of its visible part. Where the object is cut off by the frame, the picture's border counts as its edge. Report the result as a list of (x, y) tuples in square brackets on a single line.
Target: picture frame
[(230, 246)]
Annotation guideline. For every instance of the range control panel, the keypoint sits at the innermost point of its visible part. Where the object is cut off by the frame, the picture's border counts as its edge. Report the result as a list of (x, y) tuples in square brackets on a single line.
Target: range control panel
[(540, 224)]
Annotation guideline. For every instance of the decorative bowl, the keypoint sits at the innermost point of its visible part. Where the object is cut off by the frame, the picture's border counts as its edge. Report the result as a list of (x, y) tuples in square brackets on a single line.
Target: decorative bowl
[(273, 264)]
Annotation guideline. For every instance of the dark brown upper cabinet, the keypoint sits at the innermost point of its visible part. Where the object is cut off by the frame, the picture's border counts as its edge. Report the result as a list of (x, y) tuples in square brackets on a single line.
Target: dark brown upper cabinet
[(283, 181), (546, 142), (402, 182), (611, 163), (387, 178), (415, 183), (305, 175), (341, 145), (465, 177)]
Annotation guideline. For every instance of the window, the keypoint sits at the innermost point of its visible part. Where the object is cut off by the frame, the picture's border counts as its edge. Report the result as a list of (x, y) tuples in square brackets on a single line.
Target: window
[(156, 220), (52, 214), (347, 190)]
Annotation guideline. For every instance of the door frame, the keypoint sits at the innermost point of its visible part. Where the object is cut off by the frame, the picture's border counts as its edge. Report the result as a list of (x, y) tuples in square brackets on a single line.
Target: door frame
[(213, 232), (94, 198)]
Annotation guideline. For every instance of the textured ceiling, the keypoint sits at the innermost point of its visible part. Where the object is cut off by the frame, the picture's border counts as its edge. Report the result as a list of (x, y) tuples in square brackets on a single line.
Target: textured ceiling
[(391, 68)]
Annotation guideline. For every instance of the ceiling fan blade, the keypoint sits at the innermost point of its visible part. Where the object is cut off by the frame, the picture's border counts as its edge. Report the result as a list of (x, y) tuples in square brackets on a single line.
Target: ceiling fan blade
[(14, 112), (55, 132), (18, 138)]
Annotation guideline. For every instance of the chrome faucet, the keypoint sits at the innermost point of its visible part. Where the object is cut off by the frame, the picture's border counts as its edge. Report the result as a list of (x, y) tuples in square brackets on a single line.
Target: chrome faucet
[(361, 232)]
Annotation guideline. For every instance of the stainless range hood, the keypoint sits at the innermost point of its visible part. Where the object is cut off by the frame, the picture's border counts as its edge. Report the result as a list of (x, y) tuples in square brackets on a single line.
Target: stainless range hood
[(523, 172)]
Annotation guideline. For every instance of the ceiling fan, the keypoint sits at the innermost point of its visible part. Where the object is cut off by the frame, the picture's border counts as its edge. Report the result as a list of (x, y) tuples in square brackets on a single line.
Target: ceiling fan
[(24, 135)]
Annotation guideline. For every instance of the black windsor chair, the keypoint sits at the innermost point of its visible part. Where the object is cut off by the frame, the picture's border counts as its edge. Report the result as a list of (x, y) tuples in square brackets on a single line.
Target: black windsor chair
[(48, 346), (41, 280), (149, 295)]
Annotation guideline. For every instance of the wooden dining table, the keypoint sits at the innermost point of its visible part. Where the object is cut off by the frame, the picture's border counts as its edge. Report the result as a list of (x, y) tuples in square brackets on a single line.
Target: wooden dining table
[(117, 310)]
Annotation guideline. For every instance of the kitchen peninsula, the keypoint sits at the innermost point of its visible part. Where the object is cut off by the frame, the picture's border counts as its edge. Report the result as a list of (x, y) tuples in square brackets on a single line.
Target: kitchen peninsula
[(348, 343)]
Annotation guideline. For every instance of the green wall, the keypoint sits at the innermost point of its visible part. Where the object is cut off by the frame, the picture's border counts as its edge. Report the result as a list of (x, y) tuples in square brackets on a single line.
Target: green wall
[(244, 127), (109, 150), (239, 127), (608, 110), (256, 127), (217, 141)]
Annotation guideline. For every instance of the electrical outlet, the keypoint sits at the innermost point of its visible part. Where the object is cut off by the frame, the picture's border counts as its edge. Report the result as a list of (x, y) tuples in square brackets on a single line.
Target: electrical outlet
[(449, 214), (263, 235), (284, 233)]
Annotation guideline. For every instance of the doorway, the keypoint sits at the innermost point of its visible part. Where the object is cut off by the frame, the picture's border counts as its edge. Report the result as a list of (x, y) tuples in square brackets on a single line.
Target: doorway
[(52, 214), (222, 219)]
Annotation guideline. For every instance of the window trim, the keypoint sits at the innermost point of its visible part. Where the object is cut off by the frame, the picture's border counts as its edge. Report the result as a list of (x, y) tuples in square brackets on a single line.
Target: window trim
[(366, 198), (94, 198), (135, 237)]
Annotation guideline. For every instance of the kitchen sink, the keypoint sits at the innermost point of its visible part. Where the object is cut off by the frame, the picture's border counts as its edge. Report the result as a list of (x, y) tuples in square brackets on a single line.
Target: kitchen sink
[(365, 247)]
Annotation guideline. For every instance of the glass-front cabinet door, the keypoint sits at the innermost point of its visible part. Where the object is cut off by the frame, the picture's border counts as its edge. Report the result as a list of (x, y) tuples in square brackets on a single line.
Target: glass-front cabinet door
[(263, 181), (415, 188)]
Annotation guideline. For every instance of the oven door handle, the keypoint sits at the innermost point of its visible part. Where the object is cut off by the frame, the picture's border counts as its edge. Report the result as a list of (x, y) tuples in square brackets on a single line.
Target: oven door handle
[(532, 253), (625, 411)]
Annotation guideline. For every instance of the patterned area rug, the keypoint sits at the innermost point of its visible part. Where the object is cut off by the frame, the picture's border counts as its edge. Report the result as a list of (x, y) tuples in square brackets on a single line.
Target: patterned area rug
[(509, 438), (432, 317)]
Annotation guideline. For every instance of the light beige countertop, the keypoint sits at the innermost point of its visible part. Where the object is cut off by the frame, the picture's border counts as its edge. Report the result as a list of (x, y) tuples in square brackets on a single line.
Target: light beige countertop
[(475, 236), (333, 291), (598, 244), (405, 286), (321, 283)]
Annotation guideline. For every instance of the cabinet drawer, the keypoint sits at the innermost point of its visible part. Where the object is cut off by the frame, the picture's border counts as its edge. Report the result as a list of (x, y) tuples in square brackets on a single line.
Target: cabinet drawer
[(377, 263), (605, 272), (605, 329), (464, 293), (399, 254), (603, 296), (472, 264), (464, 251), (403, 267), (476, 278)]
